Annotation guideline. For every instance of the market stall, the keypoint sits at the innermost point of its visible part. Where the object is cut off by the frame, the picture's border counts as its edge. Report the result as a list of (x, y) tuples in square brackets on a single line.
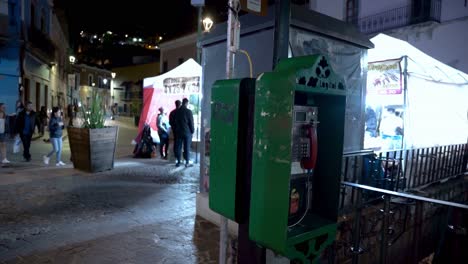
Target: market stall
[(163, 90), (412, 99)]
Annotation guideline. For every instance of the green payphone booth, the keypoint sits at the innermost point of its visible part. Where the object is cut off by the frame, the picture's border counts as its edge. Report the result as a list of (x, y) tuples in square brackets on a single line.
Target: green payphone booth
[(293, 125)]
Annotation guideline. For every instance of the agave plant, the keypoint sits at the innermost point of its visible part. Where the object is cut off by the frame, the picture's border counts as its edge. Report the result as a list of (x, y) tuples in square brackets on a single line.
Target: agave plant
[(94, 113)]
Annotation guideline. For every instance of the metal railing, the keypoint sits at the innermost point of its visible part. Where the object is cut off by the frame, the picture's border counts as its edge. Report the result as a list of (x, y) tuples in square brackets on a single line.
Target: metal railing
[(399, 17), (401, 170), (376, 232)]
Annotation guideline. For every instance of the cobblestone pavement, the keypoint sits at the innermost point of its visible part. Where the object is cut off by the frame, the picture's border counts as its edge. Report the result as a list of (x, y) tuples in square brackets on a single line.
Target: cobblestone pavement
[(141, 212)]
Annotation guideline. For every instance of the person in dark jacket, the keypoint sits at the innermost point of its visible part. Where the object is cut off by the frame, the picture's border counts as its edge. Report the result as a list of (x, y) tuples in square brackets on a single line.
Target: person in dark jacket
[(25, 126), (184, 130), (56, 132), (172, 124), (42, 120), (71, 114), (18, 109)]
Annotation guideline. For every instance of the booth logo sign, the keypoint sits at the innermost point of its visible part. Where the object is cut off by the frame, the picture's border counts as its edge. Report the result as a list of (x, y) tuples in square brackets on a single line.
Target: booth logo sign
[(182, 85), (384, 77)]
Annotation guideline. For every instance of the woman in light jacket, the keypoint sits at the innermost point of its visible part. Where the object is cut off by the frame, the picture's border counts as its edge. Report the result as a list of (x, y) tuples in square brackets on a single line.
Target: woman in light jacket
[(55, 130)]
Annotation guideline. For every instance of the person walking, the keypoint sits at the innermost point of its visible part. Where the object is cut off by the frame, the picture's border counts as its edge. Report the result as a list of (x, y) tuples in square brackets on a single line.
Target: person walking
[(42, 120), (56, 131), (19, 107), (184, 129), (163, 131), (14, 133), (114, 109), (71, 114), (25, 127), (3, 125), (173, 124)]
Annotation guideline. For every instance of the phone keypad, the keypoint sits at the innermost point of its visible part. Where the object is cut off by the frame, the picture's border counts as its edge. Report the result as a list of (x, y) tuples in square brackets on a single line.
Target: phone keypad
[(301, 149), (305, 150)]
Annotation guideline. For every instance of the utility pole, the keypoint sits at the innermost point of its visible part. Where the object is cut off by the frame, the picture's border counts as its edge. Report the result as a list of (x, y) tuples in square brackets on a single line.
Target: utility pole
[(199, 60), (199, 33), (233, 32), (283, 13), (199, 5)]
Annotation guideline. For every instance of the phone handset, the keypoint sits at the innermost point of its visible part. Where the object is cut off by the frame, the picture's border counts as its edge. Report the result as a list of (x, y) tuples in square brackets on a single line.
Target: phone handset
[(308, 163)]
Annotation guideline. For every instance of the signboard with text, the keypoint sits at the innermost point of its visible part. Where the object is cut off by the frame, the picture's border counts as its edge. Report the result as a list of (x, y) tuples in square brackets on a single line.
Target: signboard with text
[(258, 7), (384, 77), (198, 2)]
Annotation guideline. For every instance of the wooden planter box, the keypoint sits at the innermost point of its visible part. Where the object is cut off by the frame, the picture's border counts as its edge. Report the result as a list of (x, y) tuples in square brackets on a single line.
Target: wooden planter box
[(93, 150)]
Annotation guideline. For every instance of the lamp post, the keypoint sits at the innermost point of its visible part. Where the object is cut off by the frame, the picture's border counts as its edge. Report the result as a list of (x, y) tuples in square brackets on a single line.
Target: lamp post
[(72, 59), (207, 24), (71, 78), (199, 5), (113, 74)]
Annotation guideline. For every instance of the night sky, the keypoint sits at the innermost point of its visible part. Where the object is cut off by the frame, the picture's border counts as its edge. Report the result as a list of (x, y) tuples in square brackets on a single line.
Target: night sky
[(170, 18)]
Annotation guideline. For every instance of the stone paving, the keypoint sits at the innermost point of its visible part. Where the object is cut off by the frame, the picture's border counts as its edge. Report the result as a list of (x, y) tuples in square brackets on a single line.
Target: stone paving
[(143, 211), (140, 213)]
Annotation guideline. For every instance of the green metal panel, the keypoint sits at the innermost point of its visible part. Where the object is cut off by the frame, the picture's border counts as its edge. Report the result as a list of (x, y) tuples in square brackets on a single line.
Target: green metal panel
[(223, 149), (310, 80)]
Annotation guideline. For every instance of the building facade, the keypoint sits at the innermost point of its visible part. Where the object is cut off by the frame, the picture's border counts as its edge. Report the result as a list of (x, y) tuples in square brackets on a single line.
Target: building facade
[(177, 51), (89, 79), (437, 27), (127, 87), (33, 52), (60, 84)]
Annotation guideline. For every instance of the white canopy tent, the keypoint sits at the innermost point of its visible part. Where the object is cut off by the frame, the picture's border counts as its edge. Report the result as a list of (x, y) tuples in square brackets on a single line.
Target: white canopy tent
[(434, 96), (162, 90)]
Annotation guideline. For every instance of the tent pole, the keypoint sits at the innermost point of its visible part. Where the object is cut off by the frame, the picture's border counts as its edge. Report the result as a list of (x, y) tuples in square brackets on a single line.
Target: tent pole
[(405, 96)]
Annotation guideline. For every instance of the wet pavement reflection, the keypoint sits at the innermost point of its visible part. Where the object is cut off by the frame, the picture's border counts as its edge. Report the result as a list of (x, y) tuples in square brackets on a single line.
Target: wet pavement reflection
[(135, 214)]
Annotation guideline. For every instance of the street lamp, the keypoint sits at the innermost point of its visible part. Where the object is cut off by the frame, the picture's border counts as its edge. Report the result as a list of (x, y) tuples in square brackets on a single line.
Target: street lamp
[(104, 81), (72, 59), (207, 24), (113, 75)]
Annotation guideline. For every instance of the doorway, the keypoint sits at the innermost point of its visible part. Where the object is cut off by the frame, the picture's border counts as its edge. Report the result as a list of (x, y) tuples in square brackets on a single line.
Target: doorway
[(38, 97)]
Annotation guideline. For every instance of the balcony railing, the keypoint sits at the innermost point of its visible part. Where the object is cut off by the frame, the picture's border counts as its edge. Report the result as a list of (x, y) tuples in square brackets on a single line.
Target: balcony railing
[(4, 25), (130, 96), (42, 42), (400, 17)]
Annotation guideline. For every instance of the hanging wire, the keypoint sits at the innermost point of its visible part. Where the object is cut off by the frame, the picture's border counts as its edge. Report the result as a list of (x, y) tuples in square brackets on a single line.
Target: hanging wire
[(249, 59)]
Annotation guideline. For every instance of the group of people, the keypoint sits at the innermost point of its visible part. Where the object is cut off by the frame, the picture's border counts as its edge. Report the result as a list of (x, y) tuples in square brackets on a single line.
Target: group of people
[(25, 120), (388, 128), (180, 124)]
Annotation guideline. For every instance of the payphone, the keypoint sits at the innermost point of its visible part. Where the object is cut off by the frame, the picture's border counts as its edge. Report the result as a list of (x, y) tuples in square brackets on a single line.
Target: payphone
[(303, 160), (294, 143)]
